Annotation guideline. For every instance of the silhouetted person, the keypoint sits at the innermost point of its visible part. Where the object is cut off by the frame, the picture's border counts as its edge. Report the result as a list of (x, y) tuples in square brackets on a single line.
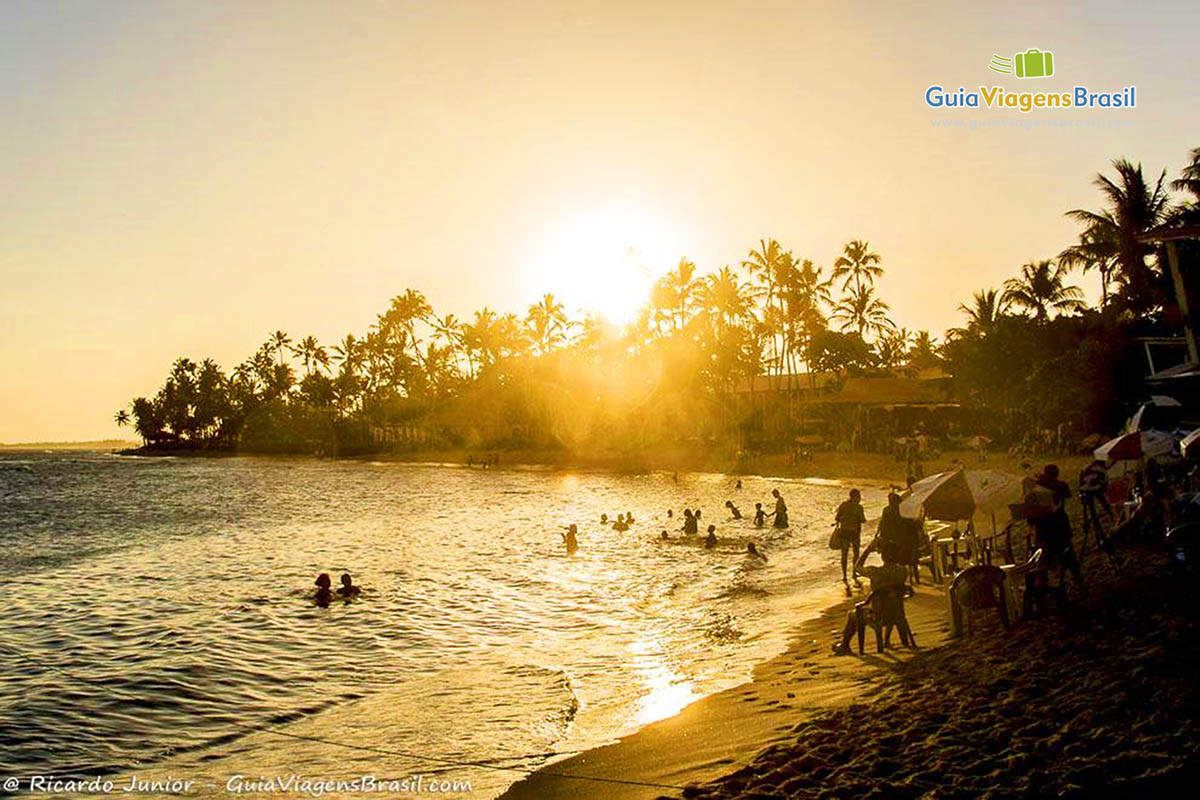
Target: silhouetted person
[(628, 517), (324, 593), (696, 514), (892, 573), (670, 513), (604, 519), (751, 550), (738, 485), (570, 538), (620, 524), (849, 520), (348, 589), (781, 513), (733, 510), (664, 536), (690, 524), (710, 541), (760, 516)]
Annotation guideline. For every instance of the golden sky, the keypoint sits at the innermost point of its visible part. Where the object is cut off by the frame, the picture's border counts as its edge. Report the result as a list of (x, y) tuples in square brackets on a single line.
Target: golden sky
[(183, 178)]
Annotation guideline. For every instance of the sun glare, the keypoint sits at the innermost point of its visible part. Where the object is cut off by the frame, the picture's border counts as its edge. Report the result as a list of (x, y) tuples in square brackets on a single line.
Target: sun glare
[(604, 258)]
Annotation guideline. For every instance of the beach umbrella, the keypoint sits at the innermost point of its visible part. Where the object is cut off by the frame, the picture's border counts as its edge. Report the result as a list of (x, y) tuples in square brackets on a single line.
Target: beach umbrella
[(979, 441), (1135, 445), (1191, 443), (1155, 401), (961, 494)]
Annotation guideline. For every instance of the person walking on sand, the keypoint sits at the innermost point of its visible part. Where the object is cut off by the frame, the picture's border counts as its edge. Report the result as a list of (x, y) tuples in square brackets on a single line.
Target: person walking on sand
[(781, 513), (849, 520), (733, 510)]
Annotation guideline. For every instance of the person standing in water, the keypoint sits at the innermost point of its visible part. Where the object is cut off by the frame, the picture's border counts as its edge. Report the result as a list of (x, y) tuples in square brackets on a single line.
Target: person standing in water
[(570, 539), (849, 520), (733, 510), (710, 541), (760, 516), (780, 514), (690, 525)]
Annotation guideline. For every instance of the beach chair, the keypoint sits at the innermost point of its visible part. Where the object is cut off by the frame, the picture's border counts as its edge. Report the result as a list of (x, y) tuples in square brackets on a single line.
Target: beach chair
[(881, 611), (975, 589), (1035, 579)]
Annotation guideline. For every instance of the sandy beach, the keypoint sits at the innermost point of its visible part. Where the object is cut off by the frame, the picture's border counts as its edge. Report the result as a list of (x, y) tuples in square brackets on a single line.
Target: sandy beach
[(1096, 699)]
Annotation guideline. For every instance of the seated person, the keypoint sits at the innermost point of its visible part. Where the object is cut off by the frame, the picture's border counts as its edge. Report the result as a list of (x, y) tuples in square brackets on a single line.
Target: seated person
[(891, 609), (348, 589)]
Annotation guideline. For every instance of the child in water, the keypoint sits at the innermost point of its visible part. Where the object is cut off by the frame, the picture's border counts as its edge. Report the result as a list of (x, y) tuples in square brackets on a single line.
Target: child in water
[(348, 589), (760, 516), (710, 541), (620, 524), (324, 593), (752, 552), (737, 514)]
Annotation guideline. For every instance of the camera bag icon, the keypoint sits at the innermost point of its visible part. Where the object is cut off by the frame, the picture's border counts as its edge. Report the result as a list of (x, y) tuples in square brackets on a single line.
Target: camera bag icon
[(1034, 64)]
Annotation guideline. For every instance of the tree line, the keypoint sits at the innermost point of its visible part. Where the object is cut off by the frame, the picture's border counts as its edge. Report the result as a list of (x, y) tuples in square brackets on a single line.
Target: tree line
[(1030, 353)]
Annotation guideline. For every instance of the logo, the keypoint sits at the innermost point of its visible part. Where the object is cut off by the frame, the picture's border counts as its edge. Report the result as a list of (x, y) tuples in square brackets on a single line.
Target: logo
[(1033, 63)]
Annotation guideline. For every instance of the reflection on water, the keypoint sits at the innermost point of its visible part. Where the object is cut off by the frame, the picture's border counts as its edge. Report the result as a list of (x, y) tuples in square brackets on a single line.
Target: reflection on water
[(183, 586)]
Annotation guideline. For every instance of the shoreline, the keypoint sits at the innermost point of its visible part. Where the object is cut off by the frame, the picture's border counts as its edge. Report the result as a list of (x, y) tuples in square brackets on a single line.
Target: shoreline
[(723, 732), (1098, 698)]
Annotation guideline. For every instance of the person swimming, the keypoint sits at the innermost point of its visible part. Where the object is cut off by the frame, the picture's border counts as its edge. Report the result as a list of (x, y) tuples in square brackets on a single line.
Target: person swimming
[(670, 513), (664, 536), (348, 589), (710, 541), (752, 551), (324, 593), (620, 524), (738, 485), (570, 538), (760, 516), (604, 519), (737, 514), (628, 517)]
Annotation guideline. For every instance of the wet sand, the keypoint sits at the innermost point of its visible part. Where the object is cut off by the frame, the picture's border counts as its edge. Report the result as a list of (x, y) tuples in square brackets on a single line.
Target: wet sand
[(1099, 698)]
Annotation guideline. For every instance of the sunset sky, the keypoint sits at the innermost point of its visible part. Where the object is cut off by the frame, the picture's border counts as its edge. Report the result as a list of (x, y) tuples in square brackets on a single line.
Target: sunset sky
[(184, 178)]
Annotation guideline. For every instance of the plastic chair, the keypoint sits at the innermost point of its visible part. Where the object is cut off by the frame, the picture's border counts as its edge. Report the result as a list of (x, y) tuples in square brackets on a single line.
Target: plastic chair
[(977, 588), (883, 610)]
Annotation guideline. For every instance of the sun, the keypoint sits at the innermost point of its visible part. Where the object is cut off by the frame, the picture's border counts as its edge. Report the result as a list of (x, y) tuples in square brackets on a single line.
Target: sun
[(603, 258)]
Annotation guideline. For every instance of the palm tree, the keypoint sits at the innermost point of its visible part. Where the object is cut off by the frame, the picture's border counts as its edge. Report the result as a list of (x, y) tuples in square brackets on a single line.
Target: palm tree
[(763, 265), (1041, 288), (121, 418), (547, 323), (1189, 181), (858, 265), (724, 298), (682, 284), (278, 342), (864, 312), (988, 305), (1097, 251), (1134, 207), (312, 353)]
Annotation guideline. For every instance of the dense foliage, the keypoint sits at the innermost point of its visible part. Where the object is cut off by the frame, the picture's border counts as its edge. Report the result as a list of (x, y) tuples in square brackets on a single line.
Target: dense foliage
[(1030, 354)]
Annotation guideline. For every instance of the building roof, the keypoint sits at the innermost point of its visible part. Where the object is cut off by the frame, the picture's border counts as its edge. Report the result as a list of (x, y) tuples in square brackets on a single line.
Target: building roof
[(888, 392)]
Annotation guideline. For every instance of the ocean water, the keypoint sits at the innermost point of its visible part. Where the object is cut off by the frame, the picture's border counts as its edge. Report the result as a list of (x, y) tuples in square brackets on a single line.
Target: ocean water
[(158, 619)]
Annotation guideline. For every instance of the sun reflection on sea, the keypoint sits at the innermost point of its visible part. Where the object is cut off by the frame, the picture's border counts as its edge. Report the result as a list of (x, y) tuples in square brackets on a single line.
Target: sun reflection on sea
[(669, 691)]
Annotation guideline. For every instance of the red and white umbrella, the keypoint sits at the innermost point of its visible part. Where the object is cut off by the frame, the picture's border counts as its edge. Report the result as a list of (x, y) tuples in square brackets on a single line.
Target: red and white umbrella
[(961, 494), (1135, 445)]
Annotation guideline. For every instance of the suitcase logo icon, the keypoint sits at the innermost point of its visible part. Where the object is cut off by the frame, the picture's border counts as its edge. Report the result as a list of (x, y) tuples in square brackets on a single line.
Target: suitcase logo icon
[(1033, 63)]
